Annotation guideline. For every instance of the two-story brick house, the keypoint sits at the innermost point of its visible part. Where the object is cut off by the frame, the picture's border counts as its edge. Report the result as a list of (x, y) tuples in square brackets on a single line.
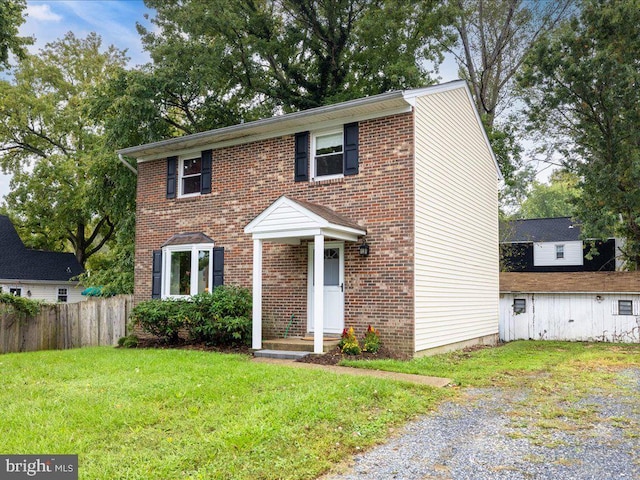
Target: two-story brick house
[(378, 211)]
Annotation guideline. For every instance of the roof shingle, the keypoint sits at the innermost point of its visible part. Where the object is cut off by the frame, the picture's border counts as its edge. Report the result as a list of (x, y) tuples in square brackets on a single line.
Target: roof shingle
[(20, 263), (562, 229)]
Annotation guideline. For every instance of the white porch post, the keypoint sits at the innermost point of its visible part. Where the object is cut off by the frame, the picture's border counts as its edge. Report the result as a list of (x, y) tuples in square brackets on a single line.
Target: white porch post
[(318, 293), (256, 342)]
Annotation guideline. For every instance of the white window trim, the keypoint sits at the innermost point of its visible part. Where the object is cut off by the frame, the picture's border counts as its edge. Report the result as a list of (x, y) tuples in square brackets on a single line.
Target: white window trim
[(616, 307), (181, 159), (558, 246), (194, 248), (322, 133), (66, 294), (514, 306)]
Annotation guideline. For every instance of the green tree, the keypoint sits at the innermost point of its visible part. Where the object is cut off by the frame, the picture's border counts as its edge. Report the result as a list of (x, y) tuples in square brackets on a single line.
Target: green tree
[(68, 190), (221, 62), (300, 54), (555, 199), (494, 37), (582, 94), (11, 17)]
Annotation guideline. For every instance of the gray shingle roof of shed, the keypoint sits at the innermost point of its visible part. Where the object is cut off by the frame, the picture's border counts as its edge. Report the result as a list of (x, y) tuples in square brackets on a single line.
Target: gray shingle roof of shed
[(562, 229), (18, 262)]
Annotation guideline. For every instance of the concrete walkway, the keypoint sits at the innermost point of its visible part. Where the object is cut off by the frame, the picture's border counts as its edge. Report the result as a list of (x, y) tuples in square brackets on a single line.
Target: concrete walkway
[(436, 382)]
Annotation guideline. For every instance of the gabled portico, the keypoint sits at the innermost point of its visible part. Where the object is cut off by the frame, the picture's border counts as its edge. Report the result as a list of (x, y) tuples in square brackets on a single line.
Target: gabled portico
[(290, 221)]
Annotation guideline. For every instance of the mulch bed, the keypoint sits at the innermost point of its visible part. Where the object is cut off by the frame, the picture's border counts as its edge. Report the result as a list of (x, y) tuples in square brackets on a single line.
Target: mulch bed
[(189, 345), (334, 357)]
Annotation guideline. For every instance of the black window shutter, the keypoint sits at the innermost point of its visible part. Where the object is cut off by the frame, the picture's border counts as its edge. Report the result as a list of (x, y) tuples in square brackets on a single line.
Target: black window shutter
[(172, 176), (218, 266), (351, 149), (156, 279), (302, 157), (205, 180)]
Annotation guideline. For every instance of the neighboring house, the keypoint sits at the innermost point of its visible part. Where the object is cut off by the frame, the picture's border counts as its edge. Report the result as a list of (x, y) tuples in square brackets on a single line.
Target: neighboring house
[(553, 245), (574, 306), (378, 211), (36, 274)]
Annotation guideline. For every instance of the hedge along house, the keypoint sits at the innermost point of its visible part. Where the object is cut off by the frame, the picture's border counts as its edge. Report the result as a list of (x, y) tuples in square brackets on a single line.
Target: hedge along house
[(377, 211)]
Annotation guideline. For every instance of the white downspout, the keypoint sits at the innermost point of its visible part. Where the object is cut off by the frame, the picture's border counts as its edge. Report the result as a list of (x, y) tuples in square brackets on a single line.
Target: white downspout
[(127, 164)]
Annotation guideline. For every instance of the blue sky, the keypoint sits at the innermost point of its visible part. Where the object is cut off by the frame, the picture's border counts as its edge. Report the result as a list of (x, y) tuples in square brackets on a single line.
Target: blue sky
[(114, 20)]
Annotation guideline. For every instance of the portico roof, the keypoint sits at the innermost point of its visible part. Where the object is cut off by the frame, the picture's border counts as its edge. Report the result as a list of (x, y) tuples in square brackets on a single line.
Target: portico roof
[(288, 221)]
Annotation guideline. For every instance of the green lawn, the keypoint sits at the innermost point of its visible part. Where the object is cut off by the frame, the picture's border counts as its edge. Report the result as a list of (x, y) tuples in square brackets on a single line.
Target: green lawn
[(171, 414), (583, 365), (557, 382), (167, 414)]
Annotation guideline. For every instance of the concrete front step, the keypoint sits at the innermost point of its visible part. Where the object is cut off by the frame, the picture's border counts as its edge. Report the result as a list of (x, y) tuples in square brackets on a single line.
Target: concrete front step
[(299, 344), (280, 354)]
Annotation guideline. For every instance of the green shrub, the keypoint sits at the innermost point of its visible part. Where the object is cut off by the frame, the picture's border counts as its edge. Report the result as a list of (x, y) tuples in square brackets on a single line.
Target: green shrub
[(222, 317), (130, 341), (22, 305), (162, 318)]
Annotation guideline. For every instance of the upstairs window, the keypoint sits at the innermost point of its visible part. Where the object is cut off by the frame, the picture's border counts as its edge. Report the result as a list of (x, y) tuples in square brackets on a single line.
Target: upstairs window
[(559, 252), (328, 154), (190, 176)]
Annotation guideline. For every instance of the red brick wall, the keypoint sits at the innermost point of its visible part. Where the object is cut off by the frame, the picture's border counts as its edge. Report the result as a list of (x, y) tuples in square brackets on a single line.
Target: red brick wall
[(248, 178)]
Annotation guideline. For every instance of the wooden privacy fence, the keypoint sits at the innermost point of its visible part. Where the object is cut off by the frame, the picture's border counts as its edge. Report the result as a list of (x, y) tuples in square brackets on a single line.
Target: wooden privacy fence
[(66, 325)]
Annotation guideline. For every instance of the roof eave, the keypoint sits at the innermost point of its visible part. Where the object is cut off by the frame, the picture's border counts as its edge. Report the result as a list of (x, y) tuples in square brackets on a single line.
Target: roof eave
[(371, 107)]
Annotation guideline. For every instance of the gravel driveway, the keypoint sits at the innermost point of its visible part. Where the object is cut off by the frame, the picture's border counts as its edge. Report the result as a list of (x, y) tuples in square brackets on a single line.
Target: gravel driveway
[(497, 434)]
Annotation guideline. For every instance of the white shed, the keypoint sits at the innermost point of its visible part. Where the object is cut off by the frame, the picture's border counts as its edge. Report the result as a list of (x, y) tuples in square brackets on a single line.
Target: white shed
[(576, 306)]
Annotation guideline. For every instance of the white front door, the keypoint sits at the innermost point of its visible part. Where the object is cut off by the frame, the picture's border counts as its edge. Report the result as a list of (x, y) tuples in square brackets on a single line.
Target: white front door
[(333, 288)]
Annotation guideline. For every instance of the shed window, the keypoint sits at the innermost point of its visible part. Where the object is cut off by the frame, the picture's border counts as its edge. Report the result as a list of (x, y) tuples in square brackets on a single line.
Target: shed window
[(16, 292), (519, 305), (625, 307), (559, 252)]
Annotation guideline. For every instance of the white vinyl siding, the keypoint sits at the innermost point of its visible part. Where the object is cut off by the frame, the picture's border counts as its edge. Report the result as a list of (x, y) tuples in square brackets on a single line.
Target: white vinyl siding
[(284, 216), (46, 292), (545, 254), (456, 223), (582, 317)]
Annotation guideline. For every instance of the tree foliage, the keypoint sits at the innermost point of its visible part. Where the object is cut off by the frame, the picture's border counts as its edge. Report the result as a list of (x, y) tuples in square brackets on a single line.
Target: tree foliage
[(555, 199), (582, 93), (494, 37), (221, 62), (68, 189), (301, 54), (11, 17)]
